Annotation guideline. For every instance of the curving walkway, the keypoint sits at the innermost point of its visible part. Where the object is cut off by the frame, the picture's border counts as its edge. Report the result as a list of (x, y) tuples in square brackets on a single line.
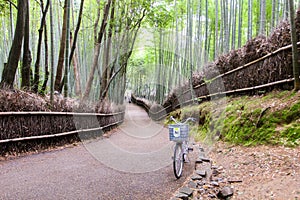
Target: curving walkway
[(133, 163)]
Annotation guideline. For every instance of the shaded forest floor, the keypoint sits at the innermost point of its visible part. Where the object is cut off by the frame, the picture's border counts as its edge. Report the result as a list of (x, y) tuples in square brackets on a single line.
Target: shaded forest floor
[(266, 172)]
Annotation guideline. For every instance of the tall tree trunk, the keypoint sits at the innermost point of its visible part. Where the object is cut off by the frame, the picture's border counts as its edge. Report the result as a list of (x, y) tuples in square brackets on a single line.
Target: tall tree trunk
[(241, 3), (60, 64), (67, 50), (249, 19), (44, 86), (206, 32), (73, 52), (273, 20), (11, 20), (175, 62), (107, 52), (226, 26), (216, 29), (222, 27), (52, 54), (294, 47), (76, 73), (277, 12), (262, 27), (234, 13), (25, 70), (36, 80), (124, 58), (286, 9), (159, 72), (5, 42), (97, 50), (199, 32), (73, 57), (10, 69), (190, 39), (97, 22)]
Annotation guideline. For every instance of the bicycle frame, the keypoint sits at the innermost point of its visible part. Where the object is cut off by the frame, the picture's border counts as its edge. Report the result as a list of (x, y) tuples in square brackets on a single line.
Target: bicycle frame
[(181, 149)]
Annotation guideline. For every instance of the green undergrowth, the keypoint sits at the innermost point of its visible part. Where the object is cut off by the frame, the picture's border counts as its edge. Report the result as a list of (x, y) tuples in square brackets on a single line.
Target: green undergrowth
[(273, 118)]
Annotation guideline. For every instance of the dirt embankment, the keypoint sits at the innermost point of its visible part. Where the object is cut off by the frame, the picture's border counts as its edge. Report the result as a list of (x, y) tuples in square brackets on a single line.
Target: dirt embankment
[(265, 172)]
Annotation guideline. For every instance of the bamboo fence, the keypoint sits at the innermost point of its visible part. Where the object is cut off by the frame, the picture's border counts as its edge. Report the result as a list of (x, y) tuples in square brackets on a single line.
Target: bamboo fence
[(59, 134), (23, 126), (187, 101)]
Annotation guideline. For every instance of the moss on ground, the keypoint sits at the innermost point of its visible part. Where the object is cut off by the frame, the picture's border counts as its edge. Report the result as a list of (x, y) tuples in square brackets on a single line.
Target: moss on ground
[(273, 118)]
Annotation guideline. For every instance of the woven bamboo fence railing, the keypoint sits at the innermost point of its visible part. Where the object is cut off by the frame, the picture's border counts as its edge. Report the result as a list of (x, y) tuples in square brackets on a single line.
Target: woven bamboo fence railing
[(155, 115), (24, 126), (200, 90)]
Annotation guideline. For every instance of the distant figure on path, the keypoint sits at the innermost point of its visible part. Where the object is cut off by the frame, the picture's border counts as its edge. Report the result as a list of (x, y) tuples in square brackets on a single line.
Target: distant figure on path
[(128, 97)]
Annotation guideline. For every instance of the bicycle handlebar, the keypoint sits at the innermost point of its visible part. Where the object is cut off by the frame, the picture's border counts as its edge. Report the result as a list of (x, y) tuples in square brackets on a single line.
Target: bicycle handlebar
[(186, 121)]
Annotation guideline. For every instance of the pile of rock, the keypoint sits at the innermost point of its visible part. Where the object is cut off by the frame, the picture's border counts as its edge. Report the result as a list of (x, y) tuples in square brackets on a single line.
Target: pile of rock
[(207, 182)]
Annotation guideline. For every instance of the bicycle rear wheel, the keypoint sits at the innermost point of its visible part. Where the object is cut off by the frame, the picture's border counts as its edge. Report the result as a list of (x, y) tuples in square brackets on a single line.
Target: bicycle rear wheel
[(178, 160)]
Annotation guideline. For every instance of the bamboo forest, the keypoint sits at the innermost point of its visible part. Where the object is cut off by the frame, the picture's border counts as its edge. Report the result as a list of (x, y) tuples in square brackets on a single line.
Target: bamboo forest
[(149, 99), (98, 49)]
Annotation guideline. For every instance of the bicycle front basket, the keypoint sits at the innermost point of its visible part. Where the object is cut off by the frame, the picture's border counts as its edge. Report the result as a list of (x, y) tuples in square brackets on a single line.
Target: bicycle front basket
[(178, 133)]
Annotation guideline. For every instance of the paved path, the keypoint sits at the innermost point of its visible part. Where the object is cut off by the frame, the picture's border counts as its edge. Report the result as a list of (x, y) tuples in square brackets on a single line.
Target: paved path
[(134, 163)]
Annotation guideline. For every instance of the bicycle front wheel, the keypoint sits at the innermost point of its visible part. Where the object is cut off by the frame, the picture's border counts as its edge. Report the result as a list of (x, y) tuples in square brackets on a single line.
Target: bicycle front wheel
[(178, 160)]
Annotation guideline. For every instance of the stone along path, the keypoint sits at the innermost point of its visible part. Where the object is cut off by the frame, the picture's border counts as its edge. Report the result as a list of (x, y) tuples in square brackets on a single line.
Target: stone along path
[(134, 162)]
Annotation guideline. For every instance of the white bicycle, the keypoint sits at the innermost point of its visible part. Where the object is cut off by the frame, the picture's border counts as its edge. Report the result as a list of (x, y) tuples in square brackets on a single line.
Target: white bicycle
[(179, 133)]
